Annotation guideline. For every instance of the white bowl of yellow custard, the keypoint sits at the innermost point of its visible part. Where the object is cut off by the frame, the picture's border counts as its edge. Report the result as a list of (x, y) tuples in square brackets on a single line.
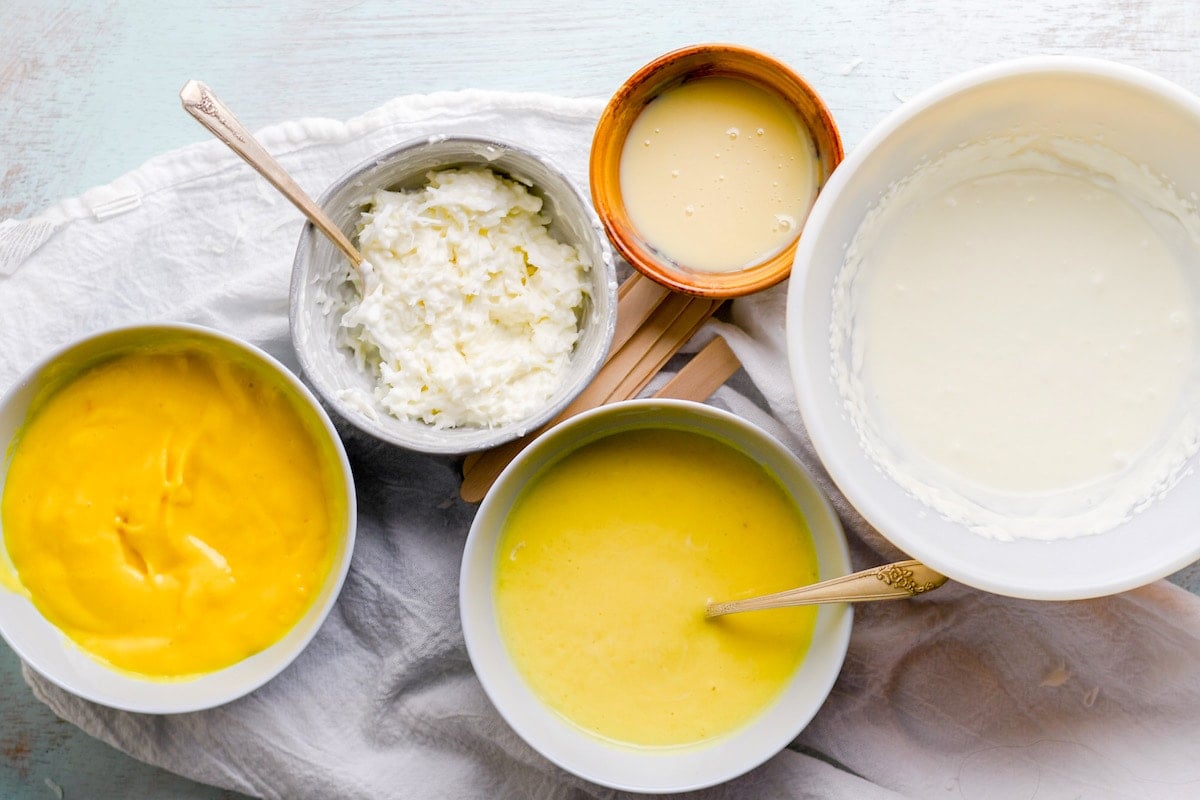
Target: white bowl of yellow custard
[(585, 578), (176, 518)]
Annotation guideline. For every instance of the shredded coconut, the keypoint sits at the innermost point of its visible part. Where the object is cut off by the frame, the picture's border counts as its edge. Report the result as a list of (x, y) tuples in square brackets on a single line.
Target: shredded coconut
[(471, 308)]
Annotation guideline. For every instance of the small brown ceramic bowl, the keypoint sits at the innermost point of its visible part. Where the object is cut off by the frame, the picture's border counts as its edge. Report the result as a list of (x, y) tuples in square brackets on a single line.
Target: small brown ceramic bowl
[(670, 71)]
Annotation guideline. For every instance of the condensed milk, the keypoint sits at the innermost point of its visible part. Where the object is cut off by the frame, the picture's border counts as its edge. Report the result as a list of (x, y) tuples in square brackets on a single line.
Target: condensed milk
[(718, 174)]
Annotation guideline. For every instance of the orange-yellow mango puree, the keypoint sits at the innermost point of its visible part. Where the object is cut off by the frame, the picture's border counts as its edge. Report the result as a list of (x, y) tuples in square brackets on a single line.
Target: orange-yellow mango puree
[(603, 571), (171, 511)]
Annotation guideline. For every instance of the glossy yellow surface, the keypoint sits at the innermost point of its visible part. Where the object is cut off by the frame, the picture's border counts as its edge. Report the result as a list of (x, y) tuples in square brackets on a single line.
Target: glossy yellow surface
[(172, 511), (604, 569)]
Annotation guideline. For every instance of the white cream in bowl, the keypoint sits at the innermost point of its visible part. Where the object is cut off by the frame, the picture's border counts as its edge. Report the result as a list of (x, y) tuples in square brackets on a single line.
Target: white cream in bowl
[(1078, 114), (1014, 335)]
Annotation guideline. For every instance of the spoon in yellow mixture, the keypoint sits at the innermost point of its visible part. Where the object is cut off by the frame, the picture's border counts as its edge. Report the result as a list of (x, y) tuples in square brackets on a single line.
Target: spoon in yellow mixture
[(888, 582), (199, 101)]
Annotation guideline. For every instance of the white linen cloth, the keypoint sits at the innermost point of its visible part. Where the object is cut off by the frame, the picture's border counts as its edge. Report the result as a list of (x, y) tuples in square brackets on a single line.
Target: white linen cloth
[(960, 694)]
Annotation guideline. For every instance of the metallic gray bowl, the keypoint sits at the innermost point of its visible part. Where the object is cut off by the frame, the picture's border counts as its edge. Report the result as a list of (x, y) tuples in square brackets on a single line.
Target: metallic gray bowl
[(319, 270)]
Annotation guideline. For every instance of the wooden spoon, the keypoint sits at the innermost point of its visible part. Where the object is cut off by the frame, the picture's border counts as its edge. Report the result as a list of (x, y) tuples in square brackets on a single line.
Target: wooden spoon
[(890, 582)]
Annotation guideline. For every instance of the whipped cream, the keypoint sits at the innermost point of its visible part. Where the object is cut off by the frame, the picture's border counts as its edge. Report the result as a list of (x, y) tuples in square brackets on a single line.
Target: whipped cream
[(1015, 336)]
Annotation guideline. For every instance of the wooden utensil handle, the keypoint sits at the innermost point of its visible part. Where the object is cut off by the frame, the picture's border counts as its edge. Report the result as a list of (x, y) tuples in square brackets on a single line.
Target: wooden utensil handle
[(704, 374), (665, 321), (889, 582)]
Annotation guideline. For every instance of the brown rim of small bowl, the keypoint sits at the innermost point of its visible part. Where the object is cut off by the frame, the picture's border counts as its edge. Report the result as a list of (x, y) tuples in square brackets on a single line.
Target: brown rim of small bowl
[(668, 71)]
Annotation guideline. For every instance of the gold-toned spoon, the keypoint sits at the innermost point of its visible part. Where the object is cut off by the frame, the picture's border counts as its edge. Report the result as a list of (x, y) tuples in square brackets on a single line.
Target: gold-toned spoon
[(889, 582), (199, 101)]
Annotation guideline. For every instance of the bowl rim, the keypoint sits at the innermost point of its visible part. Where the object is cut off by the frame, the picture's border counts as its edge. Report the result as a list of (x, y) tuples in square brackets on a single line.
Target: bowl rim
[(604, 171), (302, 272), (164, 697), (680, 769), (839, 463)]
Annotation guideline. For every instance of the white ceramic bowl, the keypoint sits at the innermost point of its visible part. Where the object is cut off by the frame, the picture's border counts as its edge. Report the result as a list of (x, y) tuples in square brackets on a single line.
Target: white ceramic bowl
[(1143, 117), (319, 266), (649, 769), (44, 648)]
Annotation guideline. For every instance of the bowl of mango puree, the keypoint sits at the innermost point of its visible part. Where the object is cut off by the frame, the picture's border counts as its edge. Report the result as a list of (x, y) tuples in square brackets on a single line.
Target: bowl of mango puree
[(585, 579), (177, 516)]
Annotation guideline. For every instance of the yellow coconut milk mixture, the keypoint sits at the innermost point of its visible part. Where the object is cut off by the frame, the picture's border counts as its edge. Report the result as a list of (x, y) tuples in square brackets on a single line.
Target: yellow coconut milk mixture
[(604, 569)]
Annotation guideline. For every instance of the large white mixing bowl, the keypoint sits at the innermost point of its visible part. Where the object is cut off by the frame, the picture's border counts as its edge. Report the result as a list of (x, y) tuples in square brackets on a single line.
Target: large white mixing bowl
[(1148, 119)]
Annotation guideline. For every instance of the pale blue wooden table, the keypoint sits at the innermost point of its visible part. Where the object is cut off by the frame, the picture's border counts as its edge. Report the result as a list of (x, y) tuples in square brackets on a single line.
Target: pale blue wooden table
[(89, 91)]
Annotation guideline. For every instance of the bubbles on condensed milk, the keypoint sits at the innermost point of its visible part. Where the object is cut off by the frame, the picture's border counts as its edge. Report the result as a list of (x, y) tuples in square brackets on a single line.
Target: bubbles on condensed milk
[(703, 191)]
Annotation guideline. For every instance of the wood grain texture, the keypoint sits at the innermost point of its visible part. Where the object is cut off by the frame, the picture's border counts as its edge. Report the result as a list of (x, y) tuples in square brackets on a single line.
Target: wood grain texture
[(89, 91), (703, 374)]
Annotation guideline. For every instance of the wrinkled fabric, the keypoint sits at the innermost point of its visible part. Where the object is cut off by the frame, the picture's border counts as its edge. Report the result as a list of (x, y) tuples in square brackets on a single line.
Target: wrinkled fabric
[(960, 694)]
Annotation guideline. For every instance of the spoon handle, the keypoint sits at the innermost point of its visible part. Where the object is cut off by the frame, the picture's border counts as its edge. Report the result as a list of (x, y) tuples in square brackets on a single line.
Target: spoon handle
[(199, 101), (888, 582)]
